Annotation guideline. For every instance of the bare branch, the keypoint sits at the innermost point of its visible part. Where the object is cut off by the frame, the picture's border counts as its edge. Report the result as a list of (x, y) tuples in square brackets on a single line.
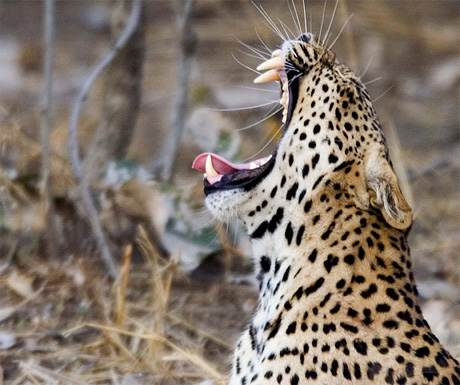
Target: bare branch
[(188, 43), (52, 234), (91, 210), (123, 80)]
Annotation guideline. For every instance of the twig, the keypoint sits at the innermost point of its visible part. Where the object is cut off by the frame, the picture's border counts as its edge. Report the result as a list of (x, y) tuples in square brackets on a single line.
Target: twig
[(48, 375), (151, 336), (91, 210), (52, 235), (121, 285), (11, 312), (188, 43)]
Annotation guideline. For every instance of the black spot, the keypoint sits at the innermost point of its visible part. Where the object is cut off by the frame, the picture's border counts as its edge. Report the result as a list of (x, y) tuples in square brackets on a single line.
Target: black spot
[(311, 374), (350, 259), (328, 232), (276, 220), (315, 161), (325, 88), (273, 193), (430, 372), (357, 371), (338, 115), (276, 327), (348, 327), (316, 129), (373, 368), (303, 136), (392, 294), (382, 308), (318, 181), (265, 263), (312, 256), (291, 160), (334, 367), (305, 170), (291, 328), (335, 309), (260, 231), (422, 352), (315, 286), (390, 324), (283, 181), (330, 262), (307, 206), (286, 274), (332, 158), (300, 235), (302, 195), (360, 347), (410, 369), (372, 289), (292, 191), (389, 377), (289, 233), (441, 360)]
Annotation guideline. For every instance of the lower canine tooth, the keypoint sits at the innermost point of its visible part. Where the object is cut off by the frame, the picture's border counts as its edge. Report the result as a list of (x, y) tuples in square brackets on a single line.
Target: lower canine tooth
[(210, 170)]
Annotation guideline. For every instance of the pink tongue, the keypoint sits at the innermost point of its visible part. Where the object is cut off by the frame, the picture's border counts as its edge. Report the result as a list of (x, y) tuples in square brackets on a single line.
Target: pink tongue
[(221, 165)]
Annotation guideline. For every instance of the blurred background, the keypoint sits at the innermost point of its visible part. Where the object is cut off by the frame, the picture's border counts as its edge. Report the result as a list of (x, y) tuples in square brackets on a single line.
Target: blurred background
[(111, 269)]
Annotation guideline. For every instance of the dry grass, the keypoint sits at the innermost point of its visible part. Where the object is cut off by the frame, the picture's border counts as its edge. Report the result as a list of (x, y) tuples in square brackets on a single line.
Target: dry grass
[(122, 337)]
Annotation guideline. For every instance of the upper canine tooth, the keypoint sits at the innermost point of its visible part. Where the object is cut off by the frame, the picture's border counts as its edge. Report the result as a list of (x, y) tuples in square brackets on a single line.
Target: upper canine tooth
[(210, 170), (252, 166), (277, 52), (269, 76), (274, 62)]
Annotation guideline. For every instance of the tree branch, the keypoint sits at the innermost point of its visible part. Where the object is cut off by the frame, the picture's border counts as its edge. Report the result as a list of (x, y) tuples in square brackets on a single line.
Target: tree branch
[(52, 234), (188, 43), (90, 207)]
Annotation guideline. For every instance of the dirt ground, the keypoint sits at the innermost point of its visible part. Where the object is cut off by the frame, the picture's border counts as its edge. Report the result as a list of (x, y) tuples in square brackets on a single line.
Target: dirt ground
[(65, 322)]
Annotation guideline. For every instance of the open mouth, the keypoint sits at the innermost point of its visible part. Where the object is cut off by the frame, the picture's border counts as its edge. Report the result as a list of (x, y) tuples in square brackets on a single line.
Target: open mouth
[(219, 173)]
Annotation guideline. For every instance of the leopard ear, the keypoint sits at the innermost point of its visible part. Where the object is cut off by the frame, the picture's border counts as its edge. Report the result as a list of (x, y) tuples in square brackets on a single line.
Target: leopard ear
[(384, 192)]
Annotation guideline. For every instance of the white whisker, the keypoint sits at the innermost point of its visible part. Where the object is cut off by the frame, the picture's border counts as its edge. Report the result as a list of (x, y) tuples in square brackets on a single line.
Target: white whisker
[(296, 18), (257, 56), (245, 66), (305, 16), (388, 90), (373, 80), (235, 236), (326, 37), (341, 31), (258, 89), (263, 55), (274, 27), (245, 108), (364, 72), (322, 21), (287, 30), (261, 120), (264, 147), (263, 43)]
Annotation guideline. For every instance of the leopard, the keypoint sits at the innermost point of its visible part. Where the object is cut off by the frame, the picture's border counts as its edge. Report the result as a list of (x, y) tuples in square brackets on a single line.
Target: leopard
[(328, 225)]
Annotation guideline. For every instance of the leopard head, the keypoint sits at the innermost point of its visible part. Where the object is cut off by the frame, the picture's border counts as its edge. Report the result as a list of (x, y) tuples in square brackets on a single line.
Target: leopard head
[(332, 140)]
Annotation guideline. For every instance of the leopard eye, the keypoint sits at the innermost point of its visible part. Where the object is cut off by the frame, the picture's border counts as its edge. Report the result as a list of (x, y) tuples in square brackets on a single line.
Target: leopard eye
[(305, 37)]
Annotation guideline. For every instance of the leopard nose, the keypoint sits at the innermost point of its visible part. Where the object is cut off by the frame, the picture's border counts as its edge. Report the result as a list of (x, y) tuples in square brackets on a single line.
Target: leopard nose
[(305, 37)]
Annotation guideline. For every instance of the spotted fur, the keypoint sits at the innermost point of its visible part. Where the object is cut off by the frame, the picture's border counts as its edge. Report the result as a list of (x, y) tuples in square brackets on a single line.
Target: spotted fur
[(328, 225)]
